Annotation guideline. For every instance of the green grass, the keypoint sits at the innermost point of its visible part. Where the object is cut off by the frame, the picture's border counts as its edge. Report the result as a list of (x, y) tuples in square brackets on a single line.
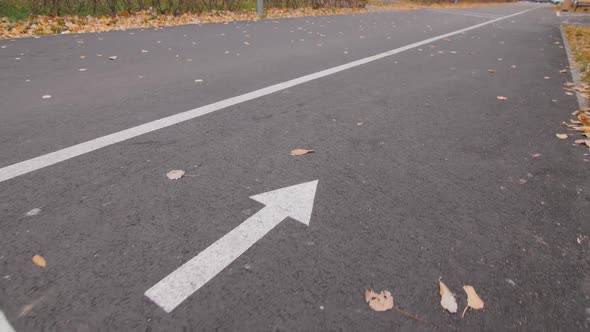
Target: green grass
[(13, 11)]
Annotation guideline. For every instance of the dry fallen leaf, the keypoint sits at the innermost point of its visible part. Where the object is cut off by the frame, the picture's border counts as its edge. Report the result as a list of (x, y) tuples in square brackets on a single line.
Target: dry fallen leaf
[(39, 261), (536, 155), (473, 300), (585, 129), (447, 299), (301, 152), (175, 174), (114, 57), (491, 71), (584, 119), (501, 98), (379, 302), (561, 136), (583, 141)]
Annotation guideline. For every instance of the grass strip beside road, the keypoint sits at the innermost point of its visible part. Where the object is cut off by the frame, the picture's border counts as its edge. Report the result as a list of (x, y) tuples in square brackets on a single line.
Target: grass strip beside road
[(27, 26), (579, 39)]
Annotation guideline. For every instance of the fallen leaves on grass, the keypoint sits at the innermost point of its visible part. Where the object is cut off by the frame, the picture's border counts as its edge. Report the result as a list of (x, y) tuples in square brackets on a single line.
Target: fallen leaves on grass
[(46, 25), (301, 152), (473, 300), (447, 299), (175, 174), (39, 261), (561, 136)]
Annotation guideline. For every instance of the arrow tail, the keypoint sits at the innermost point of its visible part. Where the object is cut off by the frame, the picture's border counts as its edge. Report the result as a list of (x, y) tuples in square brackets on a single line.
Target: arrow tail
[(187, 279)]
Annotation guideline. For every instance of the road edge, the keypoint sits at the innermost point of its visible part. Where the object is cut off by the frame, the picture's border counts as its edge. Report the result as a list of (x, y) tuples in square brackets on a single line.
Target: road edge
[(576, 76)]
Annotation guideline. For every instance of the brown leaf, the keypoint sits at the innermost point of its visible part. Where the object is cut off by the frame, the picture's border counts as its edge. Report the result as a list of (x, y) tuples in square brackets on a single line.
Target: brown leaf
[(501, 98), (379, 302), (39, 261), (473, 300), (561, 136), (583, 141), (585, 129), (584, 119), (301, 152), (575, 121)]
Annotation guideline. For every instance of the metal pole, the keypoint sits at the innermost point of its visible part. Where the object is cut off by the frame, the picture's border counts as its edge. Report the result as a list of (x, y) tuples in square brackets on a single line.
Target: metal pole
[(260, 7)]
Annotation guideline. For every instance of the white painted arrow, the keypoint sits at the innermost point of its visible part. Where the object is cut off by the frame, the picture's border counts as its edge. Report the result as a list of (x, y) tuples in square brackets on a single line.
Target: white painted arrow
[(295, 202), (4, 324)]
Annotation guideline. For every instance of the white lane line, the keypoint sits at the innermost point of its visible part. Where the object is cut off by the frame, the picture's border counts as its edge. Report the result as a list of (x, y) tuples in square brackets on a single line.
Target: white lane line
[(4, 324), (463, 13), (52, 158)]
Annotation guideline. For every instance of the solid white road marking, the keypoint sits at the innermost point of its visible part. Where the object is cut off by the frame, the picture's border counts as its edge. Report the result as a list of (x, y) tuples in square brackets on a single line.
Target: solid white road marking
[(4, 324), (295, 202), (52, 158)]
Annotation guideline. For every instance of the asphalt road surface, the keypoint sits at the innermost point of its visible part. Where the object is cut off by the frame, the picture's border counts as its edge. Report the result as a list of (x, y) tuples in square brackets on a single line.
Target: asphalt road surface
[(422, 172)]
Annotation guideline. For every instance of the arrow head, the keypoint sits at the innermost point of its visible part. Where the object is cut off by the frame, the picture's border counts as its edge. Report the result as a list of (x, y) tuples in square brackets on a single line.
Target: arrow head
[(294, 201)]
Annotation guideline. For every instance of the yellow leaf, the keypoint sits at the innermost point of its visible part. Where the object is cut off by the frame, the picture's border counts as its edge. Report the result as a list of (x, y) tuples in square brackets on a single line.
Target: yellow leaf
[(39, 261), (447, 299), (379, 302), (473, 300), (301, 152), (584, 119)]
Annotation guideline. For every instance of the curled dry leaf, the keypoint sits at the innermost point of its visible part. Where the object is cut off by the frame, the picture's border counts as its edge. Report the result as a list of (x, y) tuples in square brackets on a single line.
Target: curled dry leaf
[(301, 152), (175, 174), (502, 98), (447, 299), (473, 300), (39, 261), (584, 119), (379, 302), (561, 136)]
